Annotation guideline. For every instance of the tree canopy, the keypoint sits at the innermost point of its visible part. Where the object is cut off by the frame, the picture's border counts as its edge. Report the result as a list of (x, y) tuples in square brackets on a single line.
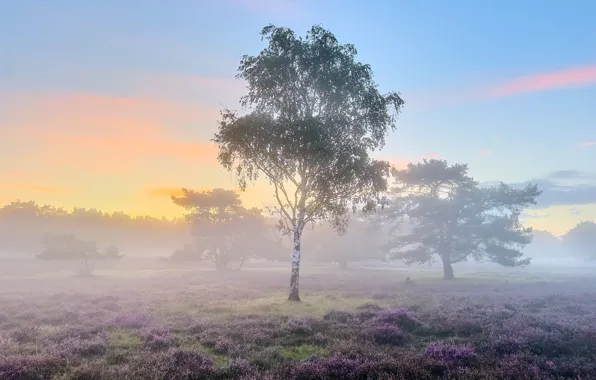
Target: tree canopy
[(225, 230), (581, 240), (314, 114), (23, 225), (70, 247), (455, 219)]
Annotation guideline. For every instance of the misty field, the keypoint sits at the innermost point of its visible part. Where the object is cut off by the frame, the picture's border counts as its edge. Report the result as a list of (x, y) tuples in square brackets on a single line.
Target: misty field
[(352, 324)]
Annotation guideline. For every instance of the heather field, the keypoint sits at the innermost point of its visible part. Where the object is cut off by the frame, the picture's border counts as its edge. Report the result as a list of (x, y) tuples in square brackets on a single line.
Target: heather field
[(353, 324)]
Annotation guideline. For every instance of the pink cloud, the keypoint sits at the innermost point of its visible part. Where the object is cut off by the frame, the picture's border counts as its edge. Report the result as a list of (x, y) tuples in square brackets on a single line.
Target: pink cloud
[(174, 191), (485, 153), (398, 163), (98, 133), (35, 188), (579, 76), (587, 143)]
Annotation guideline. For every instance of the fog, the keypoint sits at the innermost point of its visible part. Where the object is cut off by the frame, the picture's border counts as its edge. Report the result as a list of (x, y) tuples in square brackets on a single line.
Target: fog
[(341, 213), (161, 307)]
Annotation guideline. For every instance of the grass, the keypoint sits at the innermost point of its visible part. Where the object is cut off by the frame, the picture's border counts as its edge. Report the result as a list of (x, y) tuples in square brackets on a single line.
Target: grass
[(355, 324)]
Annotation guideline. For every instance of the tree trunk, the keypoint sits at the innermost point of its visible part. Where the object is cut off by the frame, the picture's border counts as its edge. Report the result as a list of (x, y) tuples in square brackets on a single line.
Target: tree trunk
[(447, 268), (295, 277), (343, 264), (241, 263)]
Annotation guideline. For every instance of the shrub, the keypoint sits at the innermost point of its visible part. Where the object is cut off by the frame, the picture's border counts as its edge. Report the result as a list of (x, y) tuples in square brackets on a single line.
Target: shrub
[(223, 346), (385, 333), (338, 316), (177, 364), (131, 320), (401, 317), (78, 347), (301, 325), (30, 367), (450, 354), (156, 338)]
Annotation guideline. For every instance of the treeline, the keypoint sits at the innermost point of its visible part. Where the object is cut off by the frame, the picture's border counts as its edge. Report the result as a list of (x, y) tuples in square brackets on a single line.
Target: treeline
[(577, 243), (25, 224)]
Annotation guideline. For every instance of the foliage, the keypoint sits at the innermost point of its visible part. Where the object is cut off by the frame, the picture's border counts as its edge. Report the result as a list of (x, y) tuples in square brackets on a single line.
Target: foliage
[(582, 239), (224, 229), (455, 219), (188, 252), (69, 247), (24, 224), (315, 114), (112, 252)]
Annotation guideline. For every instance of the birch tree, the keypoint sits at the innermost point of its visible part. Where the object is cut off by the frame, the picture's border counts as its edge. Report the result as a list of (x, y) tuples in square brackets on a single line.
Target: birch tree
[(313, 115)]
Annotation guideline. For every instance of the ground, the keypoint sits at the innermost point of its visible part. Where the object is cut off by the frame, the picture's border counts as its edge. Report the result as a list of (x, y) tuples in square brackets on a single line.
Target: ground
[(361, 323)]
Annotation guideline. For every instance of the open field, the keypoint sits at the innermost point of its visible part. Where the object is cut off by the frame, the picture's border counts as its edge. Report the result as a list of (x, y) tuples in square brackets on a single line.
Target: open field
[(194, 323)]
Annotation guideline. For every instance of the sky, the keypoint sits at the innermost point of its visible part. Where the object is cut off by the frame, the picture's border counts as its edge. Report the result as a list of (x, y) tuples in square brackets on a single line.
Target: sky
[(111, 104)]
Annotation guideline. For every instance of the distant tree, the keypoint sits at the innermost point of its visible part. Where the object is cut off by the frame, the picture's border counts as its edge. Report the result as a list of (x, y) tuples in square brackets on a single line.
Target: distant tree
[(581, 239), (455, 219), (315, 114), (20, 210), (361, 241), (189, 252), (23, 225), (224, 229), (69, 247), (112, 252)]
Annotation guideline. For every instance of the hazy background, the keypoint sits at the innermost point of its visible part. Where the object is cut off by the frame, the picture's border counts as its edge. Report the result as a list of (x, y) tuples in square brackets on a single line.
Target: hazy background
[(105, 107)]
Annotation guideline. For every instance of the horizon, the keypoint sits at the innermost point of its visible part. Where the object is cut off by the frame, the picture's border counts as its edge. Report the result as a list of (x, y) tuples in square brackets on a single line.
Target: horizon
[(118, 115), (182, 217)]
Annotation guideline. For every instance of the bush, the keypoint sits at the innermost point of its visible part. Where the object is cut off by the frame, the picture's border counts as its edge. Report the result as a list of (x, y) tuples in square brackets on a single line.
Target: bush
[(156, 338), (31, 367), (449, 354), (384, 333)]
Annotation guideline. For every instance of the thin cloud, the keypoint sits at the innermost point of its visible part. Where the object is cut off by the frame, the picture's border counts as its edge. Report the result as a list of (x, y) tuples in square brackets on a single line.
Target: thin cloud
[(485, 153), (574, 211), (398, 163), (94, 133), (587, 144), (204, 153), (453, 97), (564, 187), (572, 77), (35, 188), (173, 191), (93, 114)]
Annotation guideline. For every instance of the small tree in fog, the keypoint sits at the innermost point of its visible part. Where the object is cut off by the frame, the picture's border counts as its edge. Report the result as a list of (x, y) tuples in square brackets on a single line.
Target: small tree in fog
[(581, 240), (455, 219), (316, 113), (224, 229)]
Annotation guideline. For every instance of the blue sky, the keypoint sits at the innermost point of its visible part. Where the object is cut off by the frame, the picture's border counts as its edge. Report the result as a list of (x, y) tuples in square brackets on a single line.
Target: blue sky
[(507, 87)]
